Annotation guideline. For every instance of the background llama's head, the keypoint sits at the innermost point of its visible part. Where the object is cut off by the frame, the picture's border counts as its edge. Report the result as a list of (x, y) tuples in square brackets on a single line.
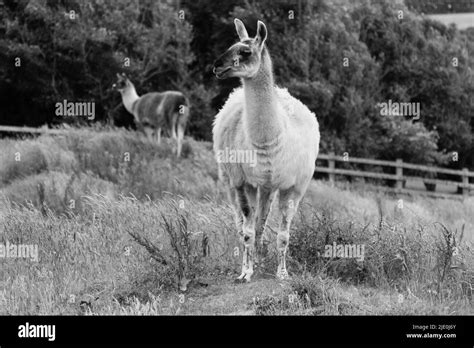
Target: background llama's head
[(242, 59), (122, 83)]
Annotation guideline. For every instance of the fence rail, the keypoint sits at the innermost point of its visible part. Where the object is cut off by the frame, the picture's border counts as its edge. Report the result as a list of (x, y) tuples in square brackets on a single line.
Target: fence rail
[(463, 186), (32, 130)]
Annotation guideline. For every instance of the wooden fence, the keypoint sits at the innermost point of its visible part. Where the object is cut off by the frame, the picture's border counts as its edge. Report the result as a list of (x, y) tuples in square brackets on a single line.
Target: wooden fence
[(398, 177), (428, 175), (32, 130)]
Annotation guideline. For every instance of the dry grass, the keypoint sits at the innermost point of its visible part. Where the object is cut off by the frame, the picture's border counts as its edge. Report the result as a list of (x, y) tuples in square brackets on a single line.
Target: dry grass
[(124, 237)]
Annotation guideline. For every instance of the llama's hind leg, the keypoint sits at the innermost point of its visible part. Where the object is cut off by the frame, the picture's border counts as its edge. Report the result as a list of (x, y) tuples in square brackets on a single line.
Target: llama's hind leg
[(248, 229), (288, 205)]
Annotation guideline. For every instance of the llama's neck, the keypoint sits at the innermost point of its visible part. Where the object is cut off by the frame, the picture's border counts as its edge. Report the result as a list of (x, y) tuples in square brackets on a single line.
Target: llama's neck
[(129, 97), (262, 122)]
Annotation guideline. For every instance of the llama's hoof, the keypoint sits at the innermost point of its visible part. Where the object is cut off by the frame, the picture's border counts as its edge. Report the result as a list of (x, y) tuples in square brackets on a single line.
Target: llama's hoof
[(283, 275), (243, 278), (242, 281), (239, 280)]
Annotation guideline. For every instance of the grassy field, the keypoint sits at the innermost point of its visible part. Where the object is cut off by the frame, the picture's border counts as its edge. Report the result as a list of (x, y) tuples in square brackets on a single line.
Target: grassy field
[(121, 225)]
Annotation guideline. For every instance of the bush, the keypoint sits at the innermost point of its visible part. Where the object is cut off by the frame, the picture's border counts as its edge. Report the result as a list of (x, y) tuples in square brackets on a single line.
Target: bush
[(413, 256)]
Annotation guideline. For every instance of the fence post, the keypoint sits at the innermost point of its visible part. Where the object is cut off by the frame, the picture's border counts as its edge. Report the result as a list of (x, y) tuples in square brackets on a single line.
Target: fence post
[(465, 181), (399, 173), (332, 167)]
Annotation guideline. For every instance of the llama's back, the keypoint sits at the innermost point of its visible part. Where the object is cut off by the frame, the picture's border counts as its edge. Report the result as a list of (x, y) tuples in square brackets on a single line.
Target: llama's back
[(155, 108)]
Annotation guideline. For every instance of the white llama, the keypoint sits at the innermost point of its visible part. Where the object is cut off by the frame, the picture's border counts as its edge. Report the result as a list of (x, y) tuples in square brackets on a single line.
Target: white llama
[(155, 111), (283, 133)]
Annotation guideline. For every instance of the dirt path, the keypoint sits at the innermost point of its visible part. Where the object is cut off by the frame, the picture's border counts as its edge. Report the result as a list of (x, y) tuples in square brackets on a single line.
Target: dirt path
[(225, 297)]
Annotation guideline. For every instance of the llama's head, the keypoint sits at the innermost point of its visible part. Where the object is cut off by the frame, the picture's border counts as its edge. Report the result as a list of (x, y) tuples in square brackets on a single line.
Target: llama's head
[(242, 59), (122, 84)]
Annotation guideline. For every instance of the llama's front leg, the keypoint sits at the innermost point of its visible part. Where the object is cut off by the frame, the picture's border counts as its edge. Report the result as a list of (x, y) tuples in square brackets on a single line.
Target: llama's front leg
[(264, 203), (249, 250), (248, 228), (288, 204), (232, 197)]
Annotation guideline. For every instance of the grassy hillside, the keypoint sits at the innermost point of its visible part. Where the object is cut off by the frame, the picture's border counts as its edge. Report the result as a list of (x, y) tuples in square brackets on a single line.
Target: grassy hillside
[(121, 224)]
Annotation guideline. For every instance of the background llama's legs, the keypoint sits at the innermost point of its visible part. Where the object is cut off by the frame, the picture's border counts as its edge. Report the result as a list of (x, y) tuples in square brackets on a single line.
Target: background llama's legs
[(148, 132), (248, 229), (288, 205), (158, 135), (174, 119), (180, 139), (263, 208), (180, 124)]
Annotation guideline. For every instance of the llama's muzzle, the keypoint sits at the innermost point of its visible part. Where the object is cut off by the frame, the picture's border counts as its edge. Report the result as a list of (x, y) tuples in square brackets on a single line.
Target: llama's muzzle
[(220, 71)]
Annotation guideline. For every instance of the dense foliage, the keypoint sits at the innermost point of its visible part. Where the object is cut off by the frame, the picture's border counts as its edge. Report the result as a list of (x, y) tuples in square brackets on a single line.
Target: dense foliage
[(341, 58)]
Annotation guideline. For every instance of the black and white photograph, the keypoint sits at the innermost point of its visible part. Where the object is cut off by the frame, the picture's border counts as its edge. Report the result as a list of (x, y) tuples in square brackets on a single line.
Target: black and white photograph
[(238, 158)]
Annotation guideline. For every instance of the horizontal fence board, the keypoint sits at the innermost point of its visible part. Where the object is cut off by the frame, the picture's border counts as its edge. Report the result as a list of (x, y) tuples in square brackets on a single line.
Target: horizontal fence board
[(437, 170), (439, 181), (394, 164), (11, 129), (357, 160), (357, 173)]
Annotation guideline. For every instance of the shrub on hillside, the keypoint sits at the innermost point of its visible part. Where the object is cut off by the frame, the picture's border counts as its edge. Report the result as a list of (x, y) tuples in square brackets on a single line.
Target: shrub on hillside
[(408, 258)]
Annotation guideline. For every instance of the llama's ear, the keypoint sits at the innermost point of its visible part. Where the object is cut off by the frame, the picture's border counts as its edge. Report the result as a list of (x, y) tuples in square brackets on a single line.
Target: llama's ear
[(118, 75), (261, 33), (240, 28)]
